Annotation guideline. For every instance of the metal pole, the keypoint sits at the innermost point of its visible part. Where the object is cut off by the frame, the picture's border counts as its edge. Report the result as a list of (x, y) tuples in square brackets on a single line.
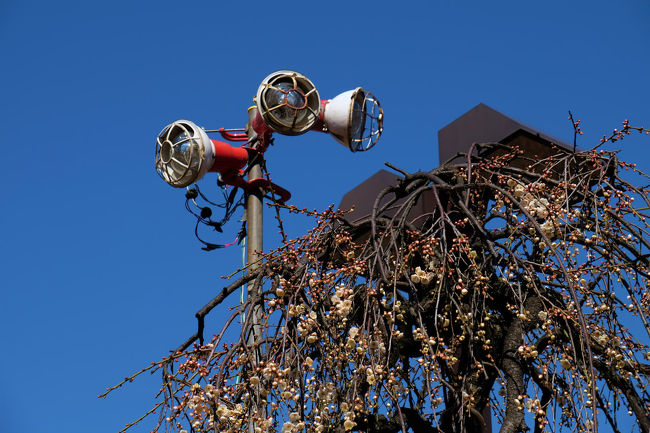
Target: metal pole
[(254, 214), (254, 222), (254, 217)]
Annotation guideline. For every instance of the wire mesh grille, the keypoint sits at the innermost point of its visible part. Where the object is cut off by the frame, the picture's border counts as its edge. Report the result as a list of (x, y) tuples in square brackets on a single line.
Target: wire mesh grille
[(179, 154), (366, 122), (288, 102)]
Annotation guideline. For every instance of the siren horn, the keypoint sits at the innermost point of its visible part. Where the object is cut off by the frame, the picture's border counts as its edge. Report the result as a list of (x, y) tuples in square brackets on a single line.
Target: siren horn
[(354, 118), (184, 153), (288, 102)]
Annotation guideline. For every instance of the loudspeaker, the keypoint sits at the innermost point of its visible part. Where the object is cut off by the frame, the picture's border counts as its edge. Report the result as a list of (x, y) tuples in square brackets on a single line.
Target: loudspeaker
[(184, 153), (288, 102), (354, 118)]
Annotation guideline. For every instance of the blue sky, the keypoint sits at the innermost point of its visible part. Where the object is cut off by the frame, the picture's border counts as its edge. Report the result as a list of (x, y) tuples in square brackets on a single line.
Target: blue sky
[(99, 268)]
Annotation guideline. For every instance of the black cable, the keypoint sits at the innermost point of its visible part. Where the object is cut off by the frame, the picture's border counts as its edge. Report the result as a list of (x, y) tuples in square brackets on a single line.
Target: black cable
[(204, 215)]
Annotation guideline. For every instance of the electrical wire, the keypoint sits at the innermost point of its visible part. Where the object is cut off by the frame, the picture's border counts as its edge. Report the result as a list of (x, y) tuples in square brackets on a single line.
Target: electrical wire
[(203, 214)]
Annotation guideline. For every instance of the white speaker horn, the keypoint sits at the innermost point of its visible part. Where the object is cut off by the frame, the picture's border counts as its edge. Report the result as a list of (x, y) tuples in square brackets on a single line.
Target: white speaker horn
[(184, 153), (355, 119)]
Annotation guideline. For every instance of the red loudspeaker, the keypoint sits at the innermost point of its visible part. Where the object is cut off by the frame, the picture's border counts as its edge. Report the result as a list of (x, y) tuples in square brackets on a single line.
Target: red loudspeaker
[(184, 153)]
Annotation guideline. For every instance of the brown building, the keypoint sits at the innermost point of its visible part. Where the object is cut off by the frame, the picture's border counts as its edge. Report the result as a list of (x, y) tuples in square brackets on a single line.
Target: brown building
[(481, 124)]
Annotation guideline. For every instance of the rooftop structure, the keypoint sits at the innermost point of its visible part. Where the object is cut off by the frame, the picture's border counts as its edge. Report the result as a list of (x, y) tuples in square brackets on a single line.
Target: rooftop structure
[(481, 124)]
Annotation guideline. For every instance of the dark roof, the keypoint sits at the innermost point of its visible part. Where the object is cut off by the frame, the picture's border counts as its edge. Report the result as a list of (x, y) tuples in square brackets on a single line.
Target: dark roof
[(483, 124), (362, 197)]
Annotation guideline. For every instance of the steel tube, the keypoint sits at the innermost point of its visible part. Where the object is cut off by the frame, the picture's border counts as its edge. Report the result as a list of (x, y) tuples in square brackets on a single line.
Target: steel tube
[(254, 217)]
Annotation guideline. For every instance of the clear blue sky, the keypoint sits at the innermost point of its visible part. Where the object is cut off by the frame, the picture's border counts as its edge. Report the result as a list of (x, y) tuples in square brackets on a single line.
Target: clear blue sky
[(99, 269)]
